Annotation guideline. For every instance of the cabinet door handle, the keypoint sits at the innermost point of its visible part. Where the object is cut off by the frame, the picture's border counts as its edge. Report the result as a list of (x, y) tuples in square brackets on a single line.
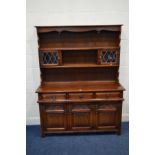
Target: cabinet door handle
[(108, 95), (81, 96), (53, 98)]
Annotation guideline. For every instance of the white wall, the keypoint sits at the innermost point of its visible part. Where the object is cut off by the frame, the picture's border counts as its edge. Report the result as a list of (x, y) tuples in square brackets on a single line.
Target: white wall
[(72, 12)]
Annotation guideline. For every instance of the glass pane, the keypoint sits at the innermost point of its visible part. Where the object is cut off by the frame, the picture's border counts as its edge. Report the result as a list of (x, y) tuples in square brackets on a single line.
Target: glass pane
[(108, 57), (50, 57)]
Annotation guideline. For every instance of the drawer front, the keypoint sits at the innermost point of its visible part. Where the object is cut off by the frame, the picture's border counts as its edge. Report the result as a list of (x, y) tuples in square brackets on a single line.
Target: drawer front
[(80, 96), (54, 96), (107, 95)]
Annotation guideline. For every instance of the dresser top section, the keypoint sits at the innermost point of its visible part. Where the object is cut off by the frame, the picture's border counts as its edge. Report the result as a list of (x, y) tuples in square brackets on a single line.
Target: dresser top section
[(79, 86), (85, 28)]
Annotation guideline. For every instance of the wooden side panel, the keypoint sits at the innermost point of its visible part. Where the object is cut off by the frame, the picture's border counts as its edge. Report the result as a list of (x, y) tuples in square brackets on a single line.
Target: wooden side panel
[(42, 119)]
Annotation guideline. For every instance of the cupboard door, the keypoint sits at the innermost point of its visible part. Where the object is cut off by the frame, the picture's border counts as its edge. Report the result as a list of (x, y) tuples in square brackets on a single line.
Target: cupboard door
[(81, 116), (55, 117), (108, 115)]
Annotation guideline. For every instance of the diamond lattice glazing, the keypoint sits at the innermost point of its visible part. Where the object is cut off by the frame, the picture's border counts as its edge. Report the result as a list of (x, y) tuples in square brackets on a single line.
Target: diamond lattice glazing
[(50, 57)]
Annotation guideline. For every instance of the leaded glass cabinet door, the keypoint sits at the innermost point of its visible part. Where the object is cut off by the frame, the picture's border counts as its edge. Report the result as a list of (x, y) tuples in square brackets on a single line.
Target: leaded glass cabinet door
[(109, 57), (50, 58)]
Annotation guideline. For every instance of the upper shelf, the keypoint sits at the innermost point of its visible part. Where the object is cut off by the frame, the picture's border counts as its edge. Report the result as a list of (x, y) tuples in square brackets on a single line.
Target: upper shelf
[(44, 29), (79, 66), (89, 39), (79, 48)]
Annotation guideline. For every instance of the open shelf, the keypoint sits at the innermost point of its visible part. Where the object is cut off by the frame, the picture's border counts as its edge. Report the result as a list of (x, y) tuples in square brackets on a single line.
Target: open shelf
[(79, 57), (79, 74), (89, 39), (85, 58), (78, 66)]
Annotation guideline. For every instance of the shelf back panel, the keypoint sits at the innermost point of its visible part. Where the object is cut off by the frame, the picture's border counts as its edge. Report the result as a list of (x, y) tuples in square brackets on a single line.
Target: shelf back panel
[(79, 57), (80, 40), (79, 74)]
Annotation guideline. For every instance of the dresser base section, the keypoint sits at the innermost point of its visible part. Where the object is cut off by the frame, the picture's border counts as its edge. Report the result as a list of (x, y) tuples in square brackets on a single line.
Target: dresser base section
[(81, 118)]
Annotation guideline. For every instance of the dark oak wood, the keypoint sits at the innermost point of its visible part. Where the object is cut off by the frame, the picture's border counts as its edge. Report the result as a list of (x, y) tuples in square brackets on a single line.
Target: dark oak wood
[(79, 90), (44, 29)]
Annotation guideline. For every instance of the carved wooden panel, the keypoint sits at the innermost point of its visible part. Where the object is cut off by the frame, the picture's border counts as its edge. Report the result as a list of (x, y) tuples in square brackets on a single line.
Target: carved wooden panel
[(106, 115), (81, 116), (55, 117), (57, 108), (55, 121)]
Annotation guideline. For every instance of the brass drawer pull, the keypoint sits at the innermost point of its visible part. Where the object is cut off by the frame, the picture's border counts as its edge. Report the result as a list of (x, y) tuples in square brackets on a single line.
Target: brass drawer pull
[(108, 95), (81, 96), (53, 98)]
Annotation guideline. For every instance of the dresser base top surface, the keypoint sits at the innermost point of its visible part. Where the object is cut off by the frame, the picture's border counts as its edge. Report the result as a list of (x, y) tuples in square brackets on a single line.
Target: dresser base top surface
[(79, 86)]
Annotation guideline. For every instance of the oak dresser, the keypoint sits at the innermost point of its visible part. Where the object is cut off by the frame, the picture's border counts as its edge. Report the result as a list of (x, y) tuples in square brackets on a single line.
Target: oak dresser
[(79, 70)]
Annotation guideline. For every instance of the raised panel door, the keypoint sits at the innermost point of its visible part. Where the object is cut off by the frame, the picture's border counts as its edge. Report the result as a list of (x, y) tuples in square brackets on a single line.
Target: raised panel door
[(108, 115), (55, 117), (81, 116)]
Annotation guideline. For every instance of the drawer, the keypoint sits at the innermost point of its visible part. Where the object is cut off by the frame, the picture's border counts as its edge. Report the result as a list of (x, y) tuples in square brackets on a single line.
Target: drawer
[(80, 96), (108, 95), (54, 96)]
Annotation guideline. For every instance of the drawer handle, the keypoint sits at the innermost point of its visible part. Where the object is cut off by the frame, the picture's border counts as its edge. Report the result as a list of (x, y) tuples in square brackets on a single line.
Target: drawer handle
[(107, 95), (53, 98), (81, 96)]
